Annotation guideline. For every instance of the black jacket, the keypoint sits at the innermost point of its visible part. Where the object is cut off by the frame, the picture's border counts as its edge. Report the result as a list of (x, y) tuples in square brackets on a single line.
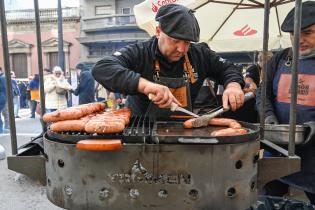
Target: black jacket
[(85, 89), (3, 94), (254, 72), (121, 71)]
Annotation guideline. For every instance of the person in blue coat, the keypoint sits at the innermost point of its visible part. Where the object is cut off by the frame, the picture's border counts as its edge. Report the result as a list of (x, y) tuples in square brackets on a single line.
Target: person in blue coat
[(3, 96), (86, 85)]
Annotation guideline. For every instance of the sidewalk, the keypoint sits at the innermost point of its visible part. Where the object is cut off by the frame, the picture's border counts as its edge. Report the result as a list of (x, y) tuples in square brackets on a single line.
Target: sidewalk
[(26, 125), (18, 192)]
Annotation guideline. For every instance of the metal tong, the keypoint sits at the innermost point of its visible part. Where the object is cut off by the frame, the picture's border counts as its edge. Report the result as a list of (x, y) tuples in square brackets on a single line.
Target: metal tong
[(204, 119)]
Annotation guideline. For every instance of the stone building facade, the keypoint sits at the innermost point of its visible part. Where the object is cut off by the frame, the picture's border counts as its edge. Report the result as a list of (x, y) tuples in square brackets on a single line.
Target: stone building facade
[(23, 44)]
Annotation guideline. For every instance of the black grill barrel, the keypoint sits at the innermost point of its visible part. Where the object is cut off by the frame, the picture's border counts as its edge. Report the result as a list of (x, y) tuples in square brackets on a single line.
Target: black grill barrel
[(147, 174)]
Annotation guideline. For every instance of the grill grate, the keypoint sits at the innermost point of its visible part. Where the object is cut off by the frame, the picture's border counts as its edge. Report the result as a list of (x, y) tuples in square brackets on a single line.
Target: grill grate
[(138, 131), (139, 128)]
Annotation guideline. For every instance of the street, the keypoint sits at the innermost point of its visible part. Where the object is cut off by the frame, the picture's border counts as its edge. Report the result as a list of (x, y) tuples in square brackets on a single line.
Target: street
[(17, 191)]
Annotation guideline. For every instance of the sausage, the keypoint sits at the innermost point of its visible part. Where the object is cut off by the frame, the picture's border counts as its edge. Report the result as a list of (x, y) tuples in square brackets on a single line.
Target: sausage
[(64, 114), (225, 122), (189, 123), (91, 108), (68, 125), (229, 132), (123, 111), (215, 121), (108, 119), (73, 113), (123, 114), (96, 126)]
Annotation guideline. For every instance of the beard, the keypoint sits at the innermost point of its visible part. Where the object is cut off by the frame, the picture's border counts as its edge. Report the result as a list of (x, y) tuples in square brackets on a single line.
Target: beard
[(307, 53)]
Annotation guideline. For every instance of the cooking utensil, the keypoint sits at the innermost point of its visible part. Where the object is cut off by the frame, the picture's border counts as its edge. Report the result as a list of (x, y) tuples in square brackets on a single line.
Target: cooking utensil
[(279, 134), (204, 119), (174, 107)]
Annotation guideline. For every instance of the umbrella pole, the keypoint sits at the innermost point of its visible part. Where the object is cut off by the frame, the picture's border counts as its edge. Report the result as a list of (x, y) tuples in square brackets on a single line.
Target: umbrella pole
[(40, 64), (264, 69), (7, 69), (294, 81)]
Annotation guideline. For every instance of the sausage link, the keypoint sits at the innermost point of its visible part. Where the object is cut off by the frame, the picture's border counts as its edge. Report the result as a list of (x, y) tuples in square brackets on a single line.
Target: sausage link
[(73, 113), (189, 123), (94, 126), (229, 132), (225, 122), (64, 114), (68, 125), (215, 121)]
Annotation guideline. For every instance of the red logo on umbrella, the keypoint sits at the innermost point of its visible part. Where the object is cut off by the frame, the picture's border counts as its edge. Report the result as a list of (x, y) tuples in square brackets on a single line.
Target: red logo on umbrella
[(245, 31), (159, 3), (154, 8)]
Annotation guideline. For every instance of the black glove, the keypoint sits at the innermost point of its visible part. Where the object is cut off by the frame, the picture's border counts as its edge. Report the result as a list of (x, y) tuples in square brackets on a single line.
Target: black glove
[(271, 119)]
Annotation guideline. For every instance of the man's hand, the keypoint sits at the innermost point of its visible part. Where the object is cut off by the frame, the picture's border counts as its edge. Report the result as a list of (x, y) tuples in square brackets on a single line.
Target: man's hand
[(250, 85), (233, 96), (162, 95)]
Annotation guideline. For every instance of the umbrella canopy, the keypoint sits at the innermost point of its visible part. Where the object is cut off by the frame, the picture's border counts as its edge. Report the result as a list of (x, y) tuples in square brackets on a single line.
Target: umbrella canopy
[(227, 25)]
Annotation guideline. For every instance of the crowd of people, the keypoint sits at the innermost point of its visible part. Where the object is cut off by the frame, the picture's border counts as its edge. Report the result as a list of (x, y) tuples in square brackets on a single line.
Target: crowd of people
[(57, 89)]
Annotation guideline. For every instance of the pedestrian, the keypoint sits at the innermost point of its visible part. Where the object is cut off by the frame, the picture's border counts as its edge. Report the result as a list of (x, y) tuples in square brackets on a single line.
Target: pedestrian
[(56, 87), (101, 93), (34, 92), (170, 66), (253, 72), (28, 92), (3, 97), (16, 95), (85, 89), (47, 73), (278, 98), (23, 98)]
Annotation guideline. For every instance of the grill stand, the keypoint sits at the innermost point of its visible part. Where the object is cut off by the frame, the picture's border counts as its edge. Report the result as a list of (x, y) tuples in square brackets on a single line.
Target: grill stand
[(153, 176)]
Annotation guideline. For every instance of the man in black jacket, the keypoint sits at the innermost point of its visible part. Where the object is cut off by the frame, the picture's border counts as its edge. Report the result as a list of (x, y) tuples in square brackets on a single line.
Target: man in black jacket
[(168, 67), (86, 85)]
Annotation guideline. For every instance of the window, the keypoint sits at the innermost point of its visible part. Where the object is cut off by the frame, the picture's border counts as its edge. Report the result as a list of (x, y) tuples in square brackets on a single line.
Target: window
[(103, 10), (53, 59), (19, 65), (99, 51), (126, 11)]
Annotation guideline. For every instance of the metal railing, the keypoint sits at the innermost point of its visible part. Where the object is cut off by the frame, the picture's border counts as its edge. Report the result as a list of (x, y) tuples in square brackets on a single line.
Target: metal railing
[(29, 14), (108, 21)]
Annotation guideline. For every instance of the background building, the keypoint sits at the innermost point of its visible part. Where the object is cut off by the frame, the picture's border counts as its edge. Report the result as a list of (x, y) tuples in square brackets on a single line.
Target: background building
[(23, 45), (106, 26)]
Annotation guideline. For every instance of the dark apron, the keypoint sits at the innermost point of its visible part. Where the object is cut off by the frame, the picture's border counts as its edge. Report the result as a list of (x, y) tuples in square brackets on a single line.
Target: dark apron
[(179, 87), (305, 179)]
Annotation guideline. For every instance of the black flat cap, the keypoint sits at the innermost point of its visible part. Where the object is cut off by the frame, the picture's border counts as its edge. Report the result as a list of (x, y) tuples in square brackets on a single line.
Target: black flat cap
[(178, 22), (308, 17)]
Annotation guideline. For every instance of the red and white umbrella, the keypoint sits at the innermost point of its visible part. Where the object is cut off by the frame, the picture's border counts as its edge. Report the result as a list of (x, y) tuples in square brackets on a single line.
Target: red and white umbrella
[(227, 26)]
